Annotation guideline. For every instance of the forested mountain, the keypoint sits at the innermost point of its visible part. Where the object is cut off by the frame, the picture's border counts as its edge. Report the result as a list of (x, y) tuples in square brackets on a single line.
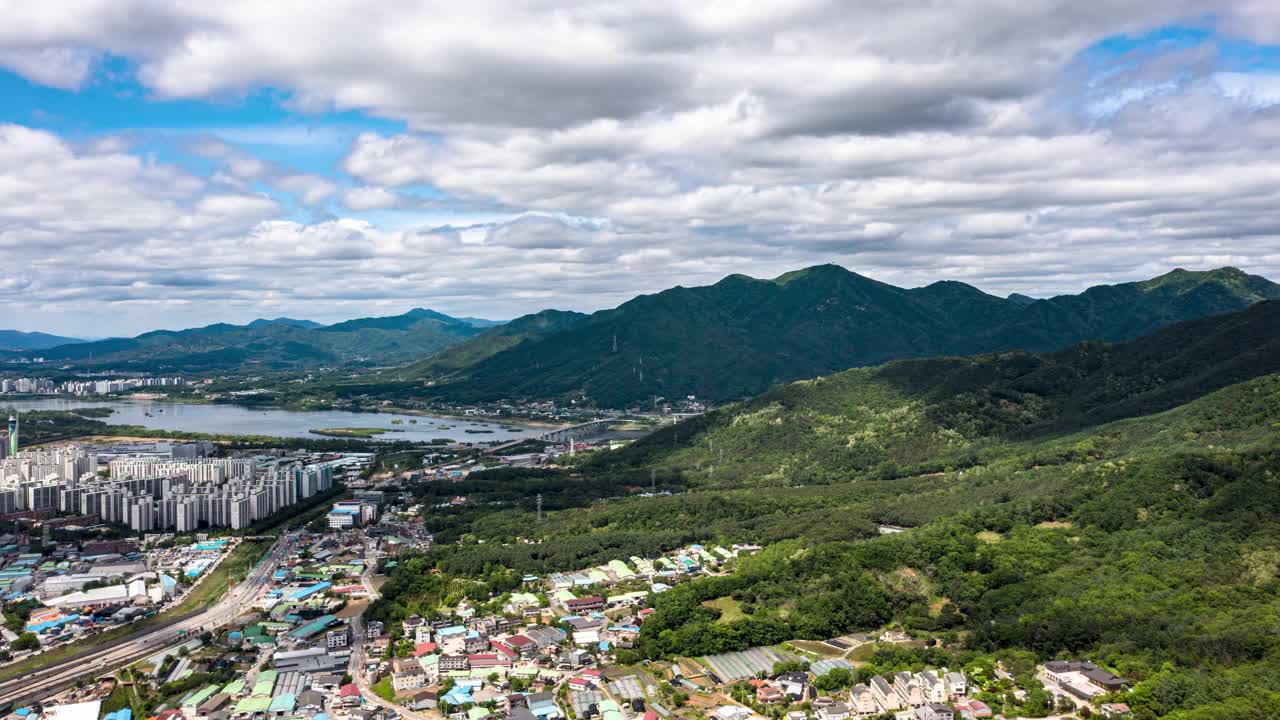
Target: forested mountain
[(18, 340), (911, 415), (492, 341), (742, 335), (274, 344), (260, 322), (1115, 502)]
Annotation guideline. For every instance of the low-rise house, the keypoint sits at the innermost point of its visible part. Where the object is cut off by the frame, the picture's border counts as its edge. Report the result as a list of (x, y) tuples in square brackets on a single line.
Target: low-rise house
[(482, 661), (794, 684), (585, 605), (974, 710), (933, 711), (424, 700), (545, 636), (834, 711), (349, 695), (886, 697), (732, 712), (908, 688), (1081, 677), (1115, 710), (407, 674), (454, 662), (862, 700), (932, 687), (475, 642), (769, 694), (524, 645), (957, 684)]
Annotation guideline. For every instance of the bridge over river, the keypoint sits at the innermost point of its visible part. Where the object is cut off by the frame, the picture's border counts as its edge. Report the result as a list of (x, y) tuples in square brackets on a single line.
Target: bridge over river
[(580, 431)]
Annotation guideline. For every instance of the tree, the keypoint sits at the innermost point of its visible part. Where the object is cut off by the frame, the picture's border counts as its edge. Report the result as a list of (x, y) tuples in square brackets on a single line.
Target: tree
[(26, 641), (834, 680)]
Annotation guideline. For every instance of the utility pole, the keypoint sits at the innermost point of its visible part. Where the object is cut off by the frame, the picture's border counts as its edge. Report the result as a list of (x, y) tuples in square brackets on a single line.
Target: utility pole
[(653, 480)]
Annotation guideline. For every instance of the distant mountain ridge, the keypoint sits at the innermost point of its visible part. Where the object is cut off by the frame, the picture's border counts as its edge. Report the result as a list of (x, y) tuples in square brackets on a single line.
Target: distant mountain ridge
[(18, 340), (261, 322), (743, 335), (281, 343)]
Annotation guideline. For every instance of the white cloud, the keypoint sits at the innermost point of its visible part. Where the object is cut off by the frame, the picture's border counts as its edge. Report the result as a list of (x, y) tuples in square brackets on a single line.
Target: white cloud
[(310, 189), (370, 198), (630, 147)]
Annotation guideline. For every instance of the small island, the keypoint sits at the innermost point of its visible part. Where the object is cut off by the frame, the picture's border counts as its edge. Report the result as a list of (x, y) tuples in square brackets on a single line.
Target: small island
[(352, 432)]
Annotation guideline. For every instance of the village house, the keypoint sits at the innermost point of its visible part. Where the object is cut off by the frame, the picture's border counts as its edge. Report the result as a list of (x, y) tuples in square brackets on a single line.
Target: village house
[(349, 695), (957, 684), (454, 662), (424, 700), (524, 645), (863, 700), (769, 694), (794, 685), (933, 711), (908, 688), (886, 697), (932, 687), (475, 642), (407, 674), (834, 711), (585, 605)]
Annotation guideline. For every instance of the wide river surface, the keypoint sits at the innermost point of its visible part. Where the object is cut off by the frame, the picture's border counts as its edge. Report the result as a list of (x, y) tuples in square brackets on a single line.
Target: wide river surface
[(238, 420)]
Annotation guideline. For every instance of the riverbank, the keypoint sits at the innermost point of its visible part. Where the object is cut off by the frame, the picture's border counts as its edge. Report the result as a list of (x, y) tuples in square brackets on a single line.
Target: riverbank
[(235, 424)]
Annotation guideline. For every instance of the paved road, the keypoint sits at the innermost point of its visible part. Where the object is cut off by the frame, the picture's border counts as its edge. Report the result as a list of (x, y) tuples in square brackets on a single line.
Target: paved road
[(356, 668), (58, 676)]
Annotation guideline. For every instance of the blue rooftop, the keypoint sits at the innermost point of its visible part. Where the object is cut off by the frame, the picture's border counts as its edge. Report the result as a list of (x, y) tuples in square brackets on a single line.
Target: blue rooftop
[(309, 591)]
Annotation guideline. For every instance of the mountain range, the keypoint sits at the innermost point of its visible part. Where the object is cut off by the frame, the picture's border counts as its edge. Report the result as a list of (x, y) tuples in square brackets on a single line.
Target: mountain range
[(718, 343), (18, 340), (279, 344), (743, 335)]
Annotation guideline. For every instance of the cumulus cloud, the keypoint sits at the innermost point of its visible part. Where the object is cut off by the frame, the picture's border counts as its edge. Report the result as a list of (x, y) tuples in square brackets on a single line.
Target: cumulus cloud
[(637, 146), (370, 198)]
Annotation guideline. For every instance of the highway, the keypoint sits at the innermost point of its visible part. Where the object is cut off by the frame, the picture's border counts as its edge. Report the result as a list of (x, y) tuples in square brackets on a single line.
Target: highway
[(49, 680)]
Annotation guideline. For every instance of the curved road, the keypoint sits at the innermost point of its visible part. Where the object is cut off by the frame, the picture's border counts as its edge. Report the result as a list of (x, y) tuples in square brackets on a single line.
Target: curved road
[(58, 676)]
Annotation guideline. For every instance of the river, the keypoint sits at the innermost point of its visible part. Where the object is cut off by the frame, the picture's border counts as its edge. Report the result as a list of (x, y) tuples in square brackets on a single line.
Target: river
[(239, 420)]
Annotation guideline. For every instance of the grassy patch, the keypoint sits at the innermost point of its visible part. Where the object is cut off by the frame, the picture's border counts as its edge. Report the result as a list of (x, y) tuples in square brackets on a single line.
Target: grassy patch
[(353, 432), (383, 689), (229, 571), (989, 537), (730, 609)]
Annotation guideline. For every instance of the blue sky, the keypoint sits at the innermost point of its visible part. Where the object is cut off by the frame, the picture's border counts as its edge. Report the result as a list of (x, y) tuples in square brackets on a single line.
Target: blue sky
[(171, 166)]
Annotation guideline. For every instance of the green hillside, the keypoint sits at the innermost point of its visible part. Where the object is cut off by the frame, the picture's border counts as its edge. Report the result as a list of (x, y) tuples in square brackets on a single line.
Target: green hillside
[(741, 336), (1039, 524), (487, 344)]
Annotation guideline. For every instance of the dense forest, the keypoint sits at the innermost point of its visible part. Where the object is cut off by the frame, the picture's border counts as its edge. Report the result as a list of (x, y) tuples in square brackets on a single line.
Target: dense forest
[(742, 335), (1147, 543)]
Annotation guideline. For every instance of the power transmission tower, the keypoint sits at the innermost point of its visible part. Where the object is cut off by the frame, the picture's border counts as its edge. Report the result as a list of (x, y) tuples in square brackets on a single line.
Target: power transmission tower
[(653, 480), (539, 501)]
